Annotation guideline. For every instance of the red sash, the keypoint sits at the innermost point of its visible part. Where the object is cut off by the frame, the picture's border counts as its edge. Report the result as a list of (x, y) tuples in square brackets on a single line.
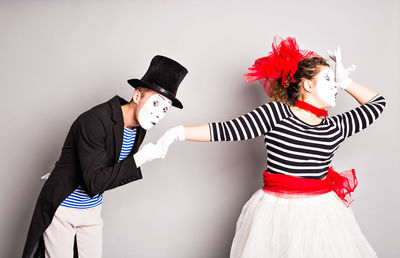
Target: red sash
[(342, 184)]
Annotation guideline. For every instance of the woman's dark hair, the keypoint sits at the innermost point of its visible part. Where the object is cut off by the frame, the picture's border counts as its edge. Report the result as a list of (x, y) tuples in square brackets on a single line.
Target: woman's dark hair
[(308, 68)]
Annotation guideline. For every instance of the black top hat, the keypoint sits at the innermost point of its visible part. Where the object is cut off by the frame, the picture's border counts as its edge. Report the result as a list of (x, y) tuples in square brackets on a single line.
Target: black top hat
[(163, 76)]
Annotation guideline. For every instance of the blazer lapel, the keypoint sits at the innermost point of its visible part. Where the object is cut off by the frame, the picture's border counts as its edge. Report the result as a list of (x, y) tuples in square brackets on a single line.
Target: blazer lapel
[(118, 128), (140, 133), (118, 134)]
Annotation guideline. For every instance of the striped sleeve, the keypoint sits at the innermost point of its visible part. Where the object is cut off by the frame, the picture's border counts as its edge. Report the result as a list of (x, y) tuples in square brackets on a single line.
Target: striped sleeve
[(253, 124), (359, 118)]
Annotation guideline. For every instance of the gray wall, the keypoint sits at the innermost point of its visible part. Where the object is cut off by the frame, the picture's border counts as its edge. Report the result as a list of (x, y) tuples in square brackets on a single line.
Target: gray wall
[(59, 58)]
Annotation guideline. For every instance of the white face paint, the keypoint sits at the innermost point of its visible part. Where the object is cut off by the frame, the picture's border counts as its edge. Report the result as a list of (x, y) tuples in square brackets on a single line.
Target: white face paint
[(153, 111), (326, 86)]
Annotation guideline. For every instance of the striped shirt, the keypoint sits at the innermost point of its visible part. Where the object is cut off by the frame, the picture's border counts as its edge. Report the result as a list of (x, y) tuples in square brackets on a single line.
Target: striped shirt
[(79, 199), (293, 146)]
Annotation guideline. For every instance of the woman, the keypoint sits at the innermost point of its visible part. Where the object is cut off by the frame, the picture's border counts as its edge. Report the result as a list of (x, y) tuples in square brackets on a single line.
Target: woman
[(302, 210)]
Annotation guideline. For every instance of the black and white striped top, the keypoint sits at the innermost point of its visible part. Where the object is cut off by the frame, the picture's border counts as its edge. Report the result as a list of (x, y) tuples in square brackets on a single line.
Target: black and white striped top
[(293, 146)]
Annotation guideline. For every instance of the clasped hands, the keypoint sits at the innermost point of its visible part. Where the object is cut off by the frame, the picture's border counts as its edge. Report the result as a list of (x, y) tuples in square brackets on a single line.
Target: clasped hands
[(159, 150)]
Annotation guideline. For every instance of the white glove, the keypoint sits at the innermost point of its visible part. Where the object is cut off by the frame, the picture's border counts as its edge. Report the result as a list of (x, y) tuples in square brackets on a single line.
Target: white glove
[(341, 73), (171, 135), (44, 177), (149, 152)]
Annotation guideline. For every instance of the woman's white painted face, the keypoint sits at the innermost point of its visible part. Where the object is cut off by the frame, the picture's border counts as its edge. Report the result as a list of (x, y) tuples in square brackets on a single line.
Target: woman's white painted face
[(153, 110), (326, 86)]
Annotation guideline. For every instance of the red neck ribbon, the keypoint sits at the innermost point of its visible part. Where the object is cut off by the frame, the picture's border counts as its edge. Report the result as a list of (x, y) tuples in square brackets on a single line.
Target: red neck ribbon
[(316, 111)]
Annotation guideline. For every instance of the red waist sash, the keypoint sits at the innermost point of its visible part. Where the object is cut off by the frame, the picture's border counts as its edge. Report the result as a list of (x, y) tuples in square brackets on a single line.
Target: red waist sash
[(343, 184)]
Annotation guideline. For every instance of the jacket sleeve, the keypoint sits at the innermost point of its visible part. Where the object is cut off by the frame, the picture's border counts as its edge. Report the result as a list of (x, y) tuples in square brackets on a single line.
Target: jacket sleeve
[(100, 172)]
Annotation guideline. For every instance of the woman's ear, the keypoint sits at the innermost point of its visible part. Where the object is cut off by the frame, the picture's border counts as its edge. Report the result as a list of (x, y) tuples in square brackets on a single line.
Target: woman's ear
[(307, 85), (136, 96)]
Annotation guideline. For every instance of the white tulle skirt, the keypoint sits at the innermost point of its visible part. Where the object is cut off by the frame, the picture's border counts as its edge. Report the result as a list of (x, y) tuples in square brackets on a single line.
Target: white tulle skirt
[(310, 227)]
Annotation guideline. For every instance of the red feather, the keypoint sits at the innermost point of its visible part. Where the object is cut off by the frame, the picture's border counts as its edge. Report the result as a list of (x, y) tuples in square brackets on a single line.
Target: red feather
[(281, 62)]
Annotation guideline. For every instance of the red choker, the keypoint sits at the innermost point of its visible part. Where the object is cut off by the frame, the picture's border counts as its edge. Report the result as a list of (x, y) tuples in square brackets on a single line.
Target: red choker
[(316, 111)]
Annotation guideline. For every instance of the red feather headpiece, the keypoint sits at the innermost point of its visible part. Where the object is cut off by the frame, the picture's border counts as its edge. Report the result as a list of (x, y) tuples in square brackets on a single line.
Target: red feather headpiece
[(281, 62)]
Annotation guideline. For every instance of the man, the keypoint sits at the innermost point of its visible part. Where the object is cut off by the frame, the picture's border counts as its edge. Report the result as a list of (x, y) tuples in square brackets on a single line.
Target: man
[(100, 153)]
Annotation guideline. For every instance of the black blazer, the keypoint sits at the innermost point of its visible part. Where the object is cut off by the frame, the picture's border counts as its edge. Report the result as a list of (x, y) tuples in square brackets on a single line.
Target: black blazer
[(89, 158)]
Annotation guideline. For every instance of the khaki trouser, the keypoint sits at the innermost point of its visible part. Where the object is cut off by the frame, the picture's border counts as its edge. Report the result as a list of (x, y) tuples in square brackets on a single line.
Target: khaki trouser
[(86, 224)]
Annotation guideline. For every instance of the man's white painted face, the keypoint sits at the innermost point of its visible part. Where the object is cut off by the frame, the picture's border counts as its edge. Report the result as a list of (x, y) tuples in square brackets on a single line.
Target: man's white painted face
[(153, 110), (326, 86)]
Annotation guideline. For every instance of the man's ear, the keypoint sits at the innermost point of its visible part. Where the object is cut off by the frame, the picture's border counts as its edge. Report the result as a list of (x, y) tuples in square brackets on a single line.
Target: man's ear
[(136, 96)]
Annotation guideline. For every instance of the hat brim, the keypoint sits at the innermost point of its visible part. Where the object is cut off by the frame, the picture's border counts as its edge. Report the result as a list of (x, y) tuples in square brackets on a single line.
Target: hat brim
[(139, 83)]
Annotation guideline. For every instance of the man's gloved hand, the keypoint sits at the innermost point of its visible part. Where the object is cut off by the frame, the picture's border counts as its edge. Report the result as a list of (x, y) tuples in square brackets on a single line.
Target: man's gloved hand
[(341, 73), (147, 153), (171, 135)]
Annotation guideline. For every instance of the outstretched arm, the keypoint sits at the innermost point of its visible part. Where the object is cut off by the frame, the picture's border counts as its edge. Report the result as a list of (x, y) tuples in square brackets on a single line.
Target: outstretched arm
[(198, 133), (253, 124)]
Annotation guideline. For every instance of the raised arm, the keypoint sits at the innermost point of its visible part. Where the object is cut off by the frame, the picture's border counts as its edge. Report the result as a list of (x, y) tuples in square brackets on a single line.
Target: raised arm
[(361, 117), (372, 104), (360, 92)]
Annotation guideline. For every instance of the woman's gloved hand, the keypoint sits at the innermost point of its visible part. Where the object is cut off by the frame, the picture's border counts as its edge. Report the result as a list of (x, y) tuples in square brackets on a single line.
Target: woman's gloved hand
[(341, 73), (170, 136)]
